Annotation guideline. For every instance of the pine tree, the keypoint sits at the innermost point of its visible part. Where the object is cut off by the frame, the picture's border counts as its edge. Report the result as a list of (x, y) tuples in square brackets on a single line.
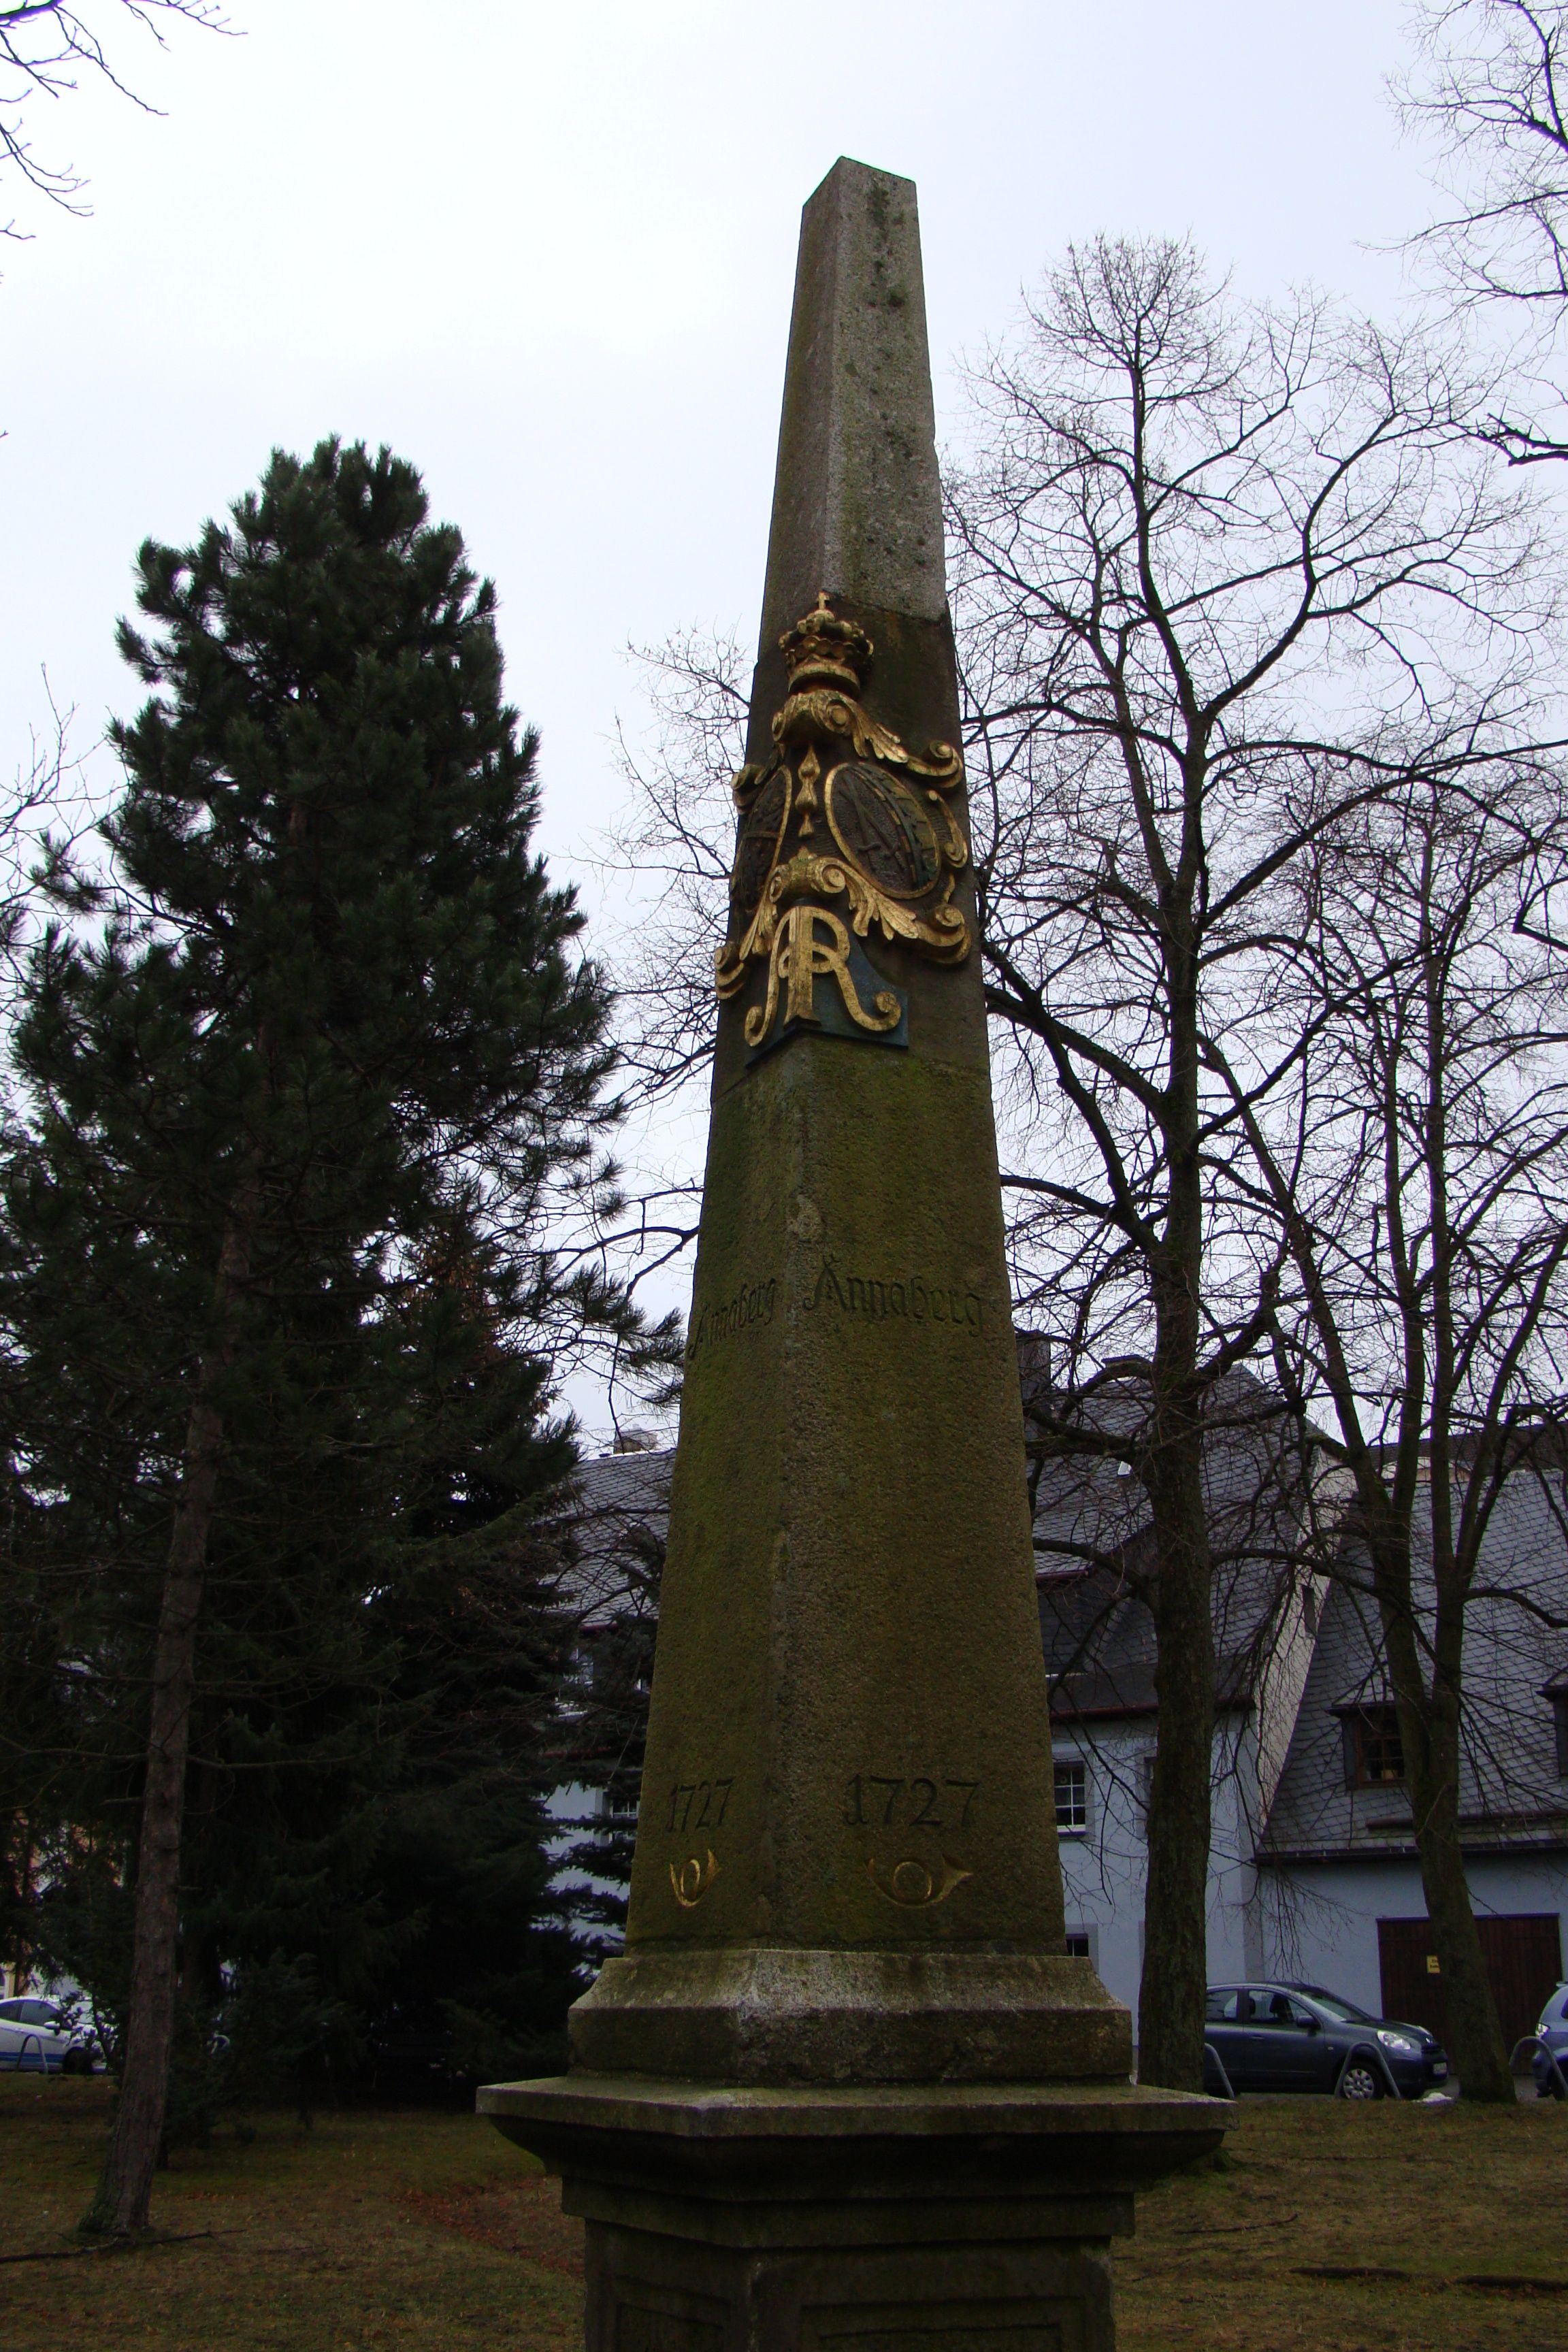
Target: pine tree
[(320, 1033)]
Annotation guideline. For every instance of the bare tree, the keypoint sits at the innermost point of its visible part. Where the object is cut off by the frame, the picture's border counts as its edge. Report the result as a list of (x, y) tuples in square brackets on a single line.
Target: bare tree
[(1488, 87), (1206, 549), (1421, 1180), (45, 812), (45, 47), (673, 845), (667, 857), (1271, 1499)]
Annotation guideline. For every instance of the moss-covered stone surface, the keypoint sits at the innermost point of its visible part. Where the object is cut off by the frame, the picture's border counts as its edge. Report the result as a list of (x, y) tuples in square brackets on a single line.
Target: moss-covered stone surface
[(849, 1742)]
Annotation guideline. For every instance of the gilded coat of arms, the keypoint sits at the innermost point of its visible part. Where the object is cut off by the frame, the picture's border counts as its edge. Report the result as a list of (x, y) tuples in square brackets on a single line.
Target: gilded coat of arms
[(841, 829)]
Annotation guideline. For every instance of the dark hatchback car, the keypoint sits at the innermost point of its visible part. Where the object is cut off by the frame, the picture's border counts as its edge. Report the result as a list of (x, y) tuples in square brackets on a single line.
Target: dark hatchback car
[(1296, 2037)]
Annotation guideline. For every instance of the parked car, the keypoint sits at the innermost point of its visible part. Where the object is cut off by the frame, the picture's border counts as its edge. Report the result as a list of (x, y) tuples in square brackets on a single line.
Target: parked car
[(1553, 2031), (40, 2036), (1296, 2037)]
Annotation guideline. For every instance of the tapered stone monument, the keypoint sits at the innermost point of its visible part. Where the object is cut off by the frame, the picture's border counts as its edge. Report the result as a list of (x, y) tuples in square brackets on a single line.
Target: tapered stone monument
[(845, 2087)]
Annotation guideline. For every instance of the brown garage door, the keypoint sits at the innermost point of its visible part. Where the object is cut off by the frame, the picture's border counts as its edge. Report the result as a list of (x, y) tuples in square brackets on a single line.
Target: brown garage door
[(1524, 1961)]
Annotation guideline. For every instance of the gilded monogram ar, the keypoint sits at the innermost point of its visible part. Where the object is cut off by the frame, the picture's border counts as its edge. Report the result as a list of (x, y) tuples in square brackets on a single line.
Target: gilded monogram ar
[(892, 852)]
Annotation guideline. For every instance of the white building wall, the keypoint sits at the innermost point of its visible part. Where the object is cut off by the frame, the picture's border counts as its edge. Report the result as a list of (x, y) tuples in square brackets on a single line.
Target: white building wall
[(1320, 1918), (1315, 1922), (1105, 1869)]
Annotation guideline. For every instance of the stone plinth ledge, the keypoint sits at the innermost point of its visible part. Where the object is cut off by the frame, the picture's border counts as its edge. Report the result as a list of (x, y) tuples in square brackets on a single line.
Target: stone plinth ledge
[(751, 2014), (994, 2150)]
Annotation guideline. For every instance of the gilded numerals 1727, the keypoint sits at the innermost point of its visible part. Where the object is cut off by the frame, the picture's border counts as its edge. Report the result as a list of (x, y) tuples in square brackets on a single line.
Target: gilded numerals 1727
[(874, 1800), (699, 1804)]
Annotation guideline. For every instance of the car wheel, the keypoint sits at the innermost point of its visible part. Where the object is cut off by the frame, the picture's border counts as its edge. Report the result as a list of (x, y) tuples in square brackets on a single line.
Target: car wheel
[(76, 2062), (1359, 2079)]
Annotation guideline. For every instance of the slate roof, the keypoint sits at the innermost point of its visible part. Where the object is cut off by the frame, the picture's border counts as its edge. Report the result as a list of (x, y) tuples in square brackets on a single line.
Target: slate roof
[(1094, 1554), (1268, 1490), (1091, 1541), (1511, 1793), (617, 1507)]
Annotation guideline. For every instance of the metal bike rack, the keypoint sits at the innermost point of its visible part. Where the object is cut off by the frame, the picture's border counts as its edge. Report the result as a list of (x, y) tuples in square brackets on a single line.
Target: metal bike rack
[(1226, 2091), (19, 2055), (1555, 2077), (1369, 2050)]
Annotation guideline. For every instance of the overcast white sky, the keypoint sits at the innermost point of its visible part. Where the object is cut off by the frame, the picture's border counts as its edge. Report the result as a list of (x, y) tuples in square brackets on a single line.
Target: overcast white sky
[(546, 251)]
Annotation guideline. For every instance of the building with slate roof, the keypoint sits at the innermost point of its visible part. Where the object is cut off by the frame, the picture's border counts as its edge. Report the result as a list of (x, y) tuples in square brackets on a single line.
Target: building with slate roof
[(1337, 1876), (1313, 1872), (1271, 1487)]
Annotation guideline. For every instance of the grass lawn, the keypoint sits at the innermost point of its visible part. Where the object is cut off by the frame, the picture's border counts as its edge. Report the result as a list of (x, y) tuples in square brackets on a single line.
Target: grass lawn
[(420, 2229)]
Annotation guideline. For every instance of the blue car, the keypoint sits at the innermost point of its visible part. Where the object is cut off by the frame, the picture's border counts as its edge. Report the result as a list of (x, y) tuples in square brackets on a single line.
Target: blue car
[(1553, 2031), (1299, 2037)]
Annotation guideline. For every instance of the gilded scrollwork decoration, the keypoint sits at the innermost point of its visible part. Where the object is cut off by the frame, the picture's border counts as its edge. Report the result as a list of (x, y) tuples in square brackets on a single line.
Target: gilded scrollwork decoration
[(843, 831)]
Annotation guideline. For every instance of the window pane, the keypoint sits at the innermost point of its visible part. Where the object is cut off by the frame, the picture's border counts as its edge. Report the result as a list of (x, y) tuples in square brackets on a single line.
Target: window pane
[(1345, 2012), (1379, 1755), (1072, 1799)]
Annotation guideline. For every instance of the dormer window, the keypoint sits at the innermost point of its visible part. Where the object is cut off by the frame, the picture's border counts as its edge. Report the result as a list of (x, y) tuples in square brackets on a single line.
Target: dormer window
[(1374, 1754), (1559, 1697)]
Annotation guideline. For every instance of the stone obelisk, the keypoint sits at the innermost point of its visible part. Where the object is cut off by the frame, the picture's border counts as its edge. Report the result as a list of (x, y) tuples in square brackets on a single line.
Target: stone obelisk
[(845, 2065)]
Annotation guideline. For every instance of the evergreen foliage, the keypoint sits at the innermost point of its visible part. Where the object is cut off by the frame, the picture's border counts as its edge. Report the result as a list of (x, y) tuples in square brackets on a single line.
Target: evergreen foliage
[(311, 1071)]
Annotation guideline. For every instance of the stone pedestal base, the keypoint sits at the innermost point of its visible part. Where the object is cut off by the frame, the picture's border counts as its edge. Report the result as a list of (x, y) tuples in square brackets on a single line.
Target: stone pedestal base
[(753, 2014), (929, 2218)]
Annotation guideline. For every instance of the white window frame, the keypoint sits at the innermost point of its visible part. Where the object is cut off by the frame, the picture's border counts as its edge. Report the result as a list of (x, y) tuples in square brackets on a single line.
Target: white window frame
[(1072, 1762)]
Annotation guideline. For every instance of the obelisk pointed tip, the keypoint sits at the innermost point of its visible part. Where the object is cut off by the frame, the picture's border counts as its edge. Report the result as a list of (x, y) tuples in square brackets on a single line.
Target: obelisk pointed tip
[(849, 167), (856, 501)]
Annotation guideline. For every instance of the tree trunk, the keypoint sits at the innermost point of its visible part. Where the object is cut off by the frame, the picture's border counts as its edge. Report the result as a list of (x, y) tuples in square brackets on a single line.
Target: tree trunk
[(124, 2192), (1176, 1905), (1429, 1735), (1475, 2036), (1429, 1740)]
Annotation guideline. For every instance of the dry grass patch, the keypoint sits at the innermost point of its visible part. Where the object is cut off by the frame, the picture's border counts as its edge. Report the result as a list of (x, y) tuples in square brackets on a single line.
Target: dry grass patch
[(1408, 2203), (415, 2230), (371, 2230)]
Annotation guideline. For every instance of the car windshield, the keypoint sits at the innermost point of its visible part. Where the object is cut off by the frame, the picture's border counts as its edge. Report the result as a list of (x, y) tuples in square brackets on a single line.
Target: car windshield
[(1344, 2012)]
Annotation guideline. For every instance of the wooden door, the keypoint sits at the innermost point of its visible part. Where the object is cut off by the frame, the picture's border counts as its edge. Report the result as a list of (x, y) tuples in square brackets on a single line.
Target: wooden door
[(1407, 1964), (1524, 1954), (1524, 1961)]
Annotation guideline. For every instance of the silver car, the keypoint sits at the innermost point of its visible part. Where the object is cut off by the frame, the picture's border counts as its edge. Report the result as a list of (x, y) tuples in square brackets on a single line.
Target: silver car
[(38, 2036)]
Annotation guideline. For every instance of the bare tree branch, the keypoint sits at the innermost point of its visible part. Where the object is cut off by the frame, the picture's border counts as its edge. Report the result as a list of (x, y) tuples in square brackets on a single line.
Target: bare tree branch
[(1488, 89), (45, 47)]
